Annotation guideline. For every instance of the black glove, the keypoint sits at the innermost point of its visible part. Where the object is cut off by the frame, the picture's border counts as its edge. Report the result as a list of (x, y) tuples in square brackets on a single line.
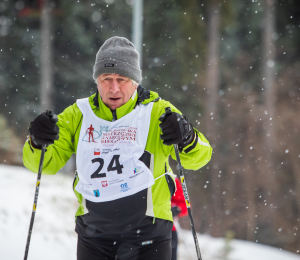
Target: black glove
[(176, 129), (43, 129), (175, 211)]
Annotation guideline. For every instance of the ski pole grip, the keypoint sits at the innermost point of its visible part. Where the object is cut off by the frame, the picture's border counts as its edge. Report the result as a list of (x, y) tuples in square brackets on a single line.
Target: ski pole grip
[(53, 117)]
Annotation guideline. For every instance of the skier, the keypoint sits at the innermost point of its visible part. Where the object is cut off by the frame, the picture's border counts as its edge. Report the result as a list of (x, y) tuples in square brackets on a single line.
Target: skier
[(90, 131), (179, 209), (130, 216)]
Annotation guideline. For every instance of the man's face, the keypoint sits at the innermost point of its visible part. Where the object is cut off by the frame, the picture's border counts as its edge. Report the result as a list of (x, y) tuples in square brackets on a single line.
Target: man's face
[(115, 90)]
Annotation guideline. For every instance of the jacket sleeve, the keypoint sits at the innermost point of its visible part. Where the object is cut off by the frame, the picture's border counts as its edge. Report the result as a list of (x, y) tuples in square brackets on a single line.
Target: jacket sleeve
[(60, 152), (193, 156)]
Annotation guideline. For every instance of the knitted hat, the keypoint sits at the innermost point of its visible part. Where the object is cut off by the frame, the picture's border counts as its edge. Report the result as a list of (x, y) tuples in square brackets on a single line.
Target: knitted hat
[(118, 55)]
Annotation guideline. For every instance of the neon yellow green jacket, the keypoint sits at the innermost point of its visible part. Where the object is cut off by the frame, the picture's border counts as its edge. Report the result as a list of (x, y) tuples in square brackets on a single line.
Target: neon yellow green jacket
[(193, 156)]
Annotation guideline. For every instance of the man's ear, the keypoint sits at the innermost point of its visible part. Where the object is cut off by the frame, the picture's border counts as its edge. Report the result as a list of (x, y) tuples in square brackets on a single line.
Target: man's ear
[(134, 94), (96, 80)]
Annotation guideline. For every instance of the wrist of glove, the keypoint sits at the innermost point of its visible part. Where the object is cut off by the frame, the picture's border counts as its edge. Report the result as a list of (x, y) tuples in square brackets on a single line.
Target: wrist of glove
[(175, 211), (176, 129), (43, 129)]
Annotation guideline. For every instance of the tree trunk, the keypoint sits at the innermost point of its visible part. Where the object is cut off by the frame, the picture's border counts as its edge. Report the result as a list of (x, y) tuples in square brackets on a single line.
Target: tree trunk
[(46, 57), (250, 181), (212, 88), (268, 85), (269, 75)]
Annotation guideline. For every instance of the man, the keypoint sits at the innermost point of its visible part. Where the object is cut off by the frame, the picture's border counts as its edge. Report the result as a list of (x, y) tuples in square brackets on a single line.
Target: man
[(124, 182)]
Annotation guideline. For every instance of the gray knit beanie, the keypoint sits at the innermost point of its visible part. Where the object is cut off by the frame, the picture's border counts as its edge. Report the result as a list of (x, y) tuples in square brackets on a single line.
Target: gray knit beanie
[(118, 55)]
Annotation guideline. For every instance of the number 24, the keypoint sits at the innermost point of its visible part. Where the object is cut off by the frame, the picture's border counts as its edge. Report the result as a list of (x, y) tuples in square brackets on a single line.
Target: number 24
[(118, 167)]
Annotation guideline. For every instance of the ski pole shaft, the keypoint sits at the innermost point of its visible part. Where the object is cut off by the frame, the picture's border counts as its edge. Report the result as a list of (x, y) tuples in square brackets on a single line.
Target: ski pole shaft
[(54, 119), (37, 188), (185, 192), (187, 201)]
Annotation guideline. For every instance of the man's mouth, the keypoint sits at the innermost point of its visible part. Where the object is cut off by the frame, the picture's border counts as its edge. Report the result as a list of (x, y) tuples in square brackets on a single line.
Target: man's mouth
[(114, 99)]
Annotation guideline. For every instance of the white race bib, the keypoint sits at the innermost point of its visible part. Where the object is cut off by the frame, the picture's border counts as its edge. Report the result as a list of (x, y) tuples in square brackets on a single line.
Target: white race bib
[(108, 154)]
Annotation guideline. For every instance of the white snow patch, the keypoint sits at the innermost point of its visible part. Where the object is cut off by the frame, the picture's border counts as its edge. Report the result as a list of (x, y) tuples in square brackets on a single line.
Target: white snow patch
[(53, 235), (212, 249)]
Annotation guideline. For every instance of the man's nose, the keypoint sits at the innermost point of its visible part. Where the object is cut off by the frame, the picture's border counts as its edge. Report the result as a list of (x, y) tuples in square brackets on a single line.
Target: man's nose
[(114, 88)]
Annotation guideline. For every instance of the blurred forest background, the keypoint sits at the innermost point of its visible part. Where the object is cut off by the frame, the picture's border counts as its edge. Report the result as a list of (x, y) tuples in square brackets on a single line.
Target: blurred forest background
[(232, 66)]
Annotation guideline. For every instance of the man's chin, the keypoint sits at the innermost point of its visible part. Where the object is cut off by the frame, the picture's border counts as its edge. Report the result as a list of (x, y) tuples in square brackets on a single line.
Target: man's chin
[(115, 105)]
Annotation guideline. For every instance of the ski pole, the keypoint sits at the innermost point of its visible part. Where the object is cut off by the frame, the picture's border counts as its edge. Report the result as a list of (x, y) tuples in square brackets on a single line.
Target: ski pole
[(186, 196), (37, 188)]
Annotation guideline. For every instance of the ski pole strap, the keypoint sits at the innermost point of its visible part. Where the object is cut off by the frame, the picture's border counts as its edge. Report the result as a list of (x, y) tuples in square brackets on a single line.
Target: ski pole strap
[(168, 173)]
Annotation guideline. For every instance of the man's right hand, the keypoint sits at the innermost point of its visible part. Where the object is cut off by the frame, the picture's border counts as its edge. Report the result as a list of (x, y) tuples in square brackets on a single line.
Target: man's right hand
[(43, 129)]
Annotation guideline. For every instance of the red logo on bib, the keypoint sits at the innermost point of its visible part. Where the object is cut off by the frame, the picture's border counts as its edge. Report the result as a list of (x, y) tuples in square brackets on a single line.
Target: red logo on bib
[(90, 131), (97, 151), (104, 183)]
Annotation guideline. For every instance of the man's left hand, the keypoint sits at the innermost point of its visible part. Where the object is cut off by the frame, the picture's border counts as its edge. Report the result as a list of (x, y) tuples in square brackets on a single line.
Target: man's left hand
[(175, 211), (176, 129)]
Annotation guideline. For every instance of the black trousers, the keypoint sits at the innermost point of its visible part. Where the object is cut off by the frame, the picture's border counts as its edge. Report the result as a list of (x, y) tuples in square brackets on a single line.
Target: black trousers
[(122, 250), (174, 245)]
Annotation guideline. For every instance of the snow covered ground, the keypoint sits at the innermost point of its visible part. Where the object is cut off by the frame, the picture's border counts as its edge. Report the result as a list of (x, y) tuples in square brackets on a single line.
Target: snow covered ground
[(53, 234)]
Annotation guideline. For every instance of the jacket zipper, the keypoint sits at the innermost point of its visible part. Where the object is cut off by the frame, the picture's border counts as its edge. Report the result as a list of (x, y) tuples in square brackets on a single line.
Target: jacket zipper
[(114, 113)]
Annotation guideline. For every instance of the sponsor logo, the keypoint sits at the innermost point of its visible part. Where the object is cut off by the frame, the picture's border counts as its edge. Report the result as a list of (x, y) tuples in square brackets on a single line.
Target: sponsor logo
[(87, 186), (96, 151), (136, 173), (104, 183), (109, 65), (147, 242), (125, 135), (97, 193), (106, 151), (124, 187), (115, 181)]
